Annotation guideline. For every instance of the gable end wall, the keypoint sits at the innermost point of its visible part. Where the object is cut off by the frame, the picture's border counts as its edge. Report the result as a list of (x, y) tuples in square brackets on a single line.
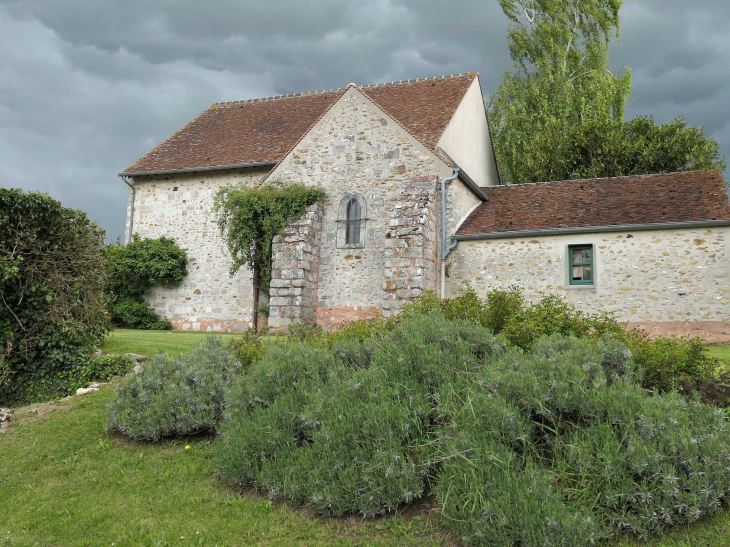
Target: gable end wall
[(356, 148)]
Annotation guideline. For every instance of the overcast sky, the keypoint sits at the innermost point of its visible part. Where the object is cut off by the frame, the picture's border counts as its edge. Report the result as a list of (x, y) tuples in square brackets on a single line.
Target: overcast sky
[(89, 86)]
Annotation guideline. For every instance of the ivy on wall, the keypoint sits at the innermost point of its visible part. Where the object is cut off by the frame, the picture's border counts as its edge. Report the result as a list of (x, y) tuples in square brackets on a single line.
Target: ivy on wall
[(132, 270), (250, 218)]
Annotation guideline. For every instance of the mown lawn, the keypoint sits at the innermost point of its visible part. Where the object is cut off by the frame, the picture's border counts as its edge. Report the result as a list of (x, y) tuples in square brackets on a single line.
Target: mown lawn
[(65, 482), (147, 342), (721, 352)]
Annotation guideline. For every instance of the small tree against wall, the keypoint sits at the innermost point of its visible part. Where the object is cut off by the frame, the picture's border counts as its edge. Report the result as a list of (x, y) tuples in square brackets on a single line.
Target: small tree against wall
[(250, 218)]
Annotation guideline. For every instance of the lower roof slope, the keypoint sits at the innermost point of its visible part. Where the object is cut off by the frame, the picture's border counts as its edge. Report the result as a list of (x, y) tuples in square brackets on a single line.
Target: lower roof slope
[(695, 196), (264, 130)]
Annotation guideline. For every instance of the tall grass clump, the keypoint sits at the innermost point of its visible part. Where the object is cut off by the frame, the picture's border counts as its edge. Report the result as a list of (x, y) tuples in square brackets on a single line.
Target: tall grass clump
[(175, 395)]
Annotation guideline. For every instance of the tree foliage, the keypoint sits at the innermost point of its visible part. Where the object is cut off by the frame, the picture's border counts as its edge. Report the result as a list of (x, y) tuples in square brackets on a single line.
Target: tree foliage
[(133, 269), (560, 114), (250, 218), (52, 304)]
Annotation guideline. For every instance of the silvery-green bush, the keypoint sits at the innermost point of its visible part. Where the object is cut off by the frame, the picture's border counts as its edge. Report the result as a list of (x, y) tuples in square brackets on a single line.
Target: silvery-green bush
[(175, 395), (558, 446)]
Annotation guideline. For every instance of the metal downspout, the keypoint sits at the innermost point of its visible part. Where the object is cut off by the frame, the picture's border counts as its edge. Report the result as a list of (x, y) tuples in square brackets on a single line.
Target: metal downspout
[(444, 249), (131, 211)]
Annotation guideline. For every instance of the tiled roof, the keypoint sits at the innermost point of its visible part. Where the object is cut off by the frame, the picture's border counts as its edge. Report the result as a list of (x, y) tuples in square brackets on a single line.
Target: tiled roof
[(264, 130), (648, 199)]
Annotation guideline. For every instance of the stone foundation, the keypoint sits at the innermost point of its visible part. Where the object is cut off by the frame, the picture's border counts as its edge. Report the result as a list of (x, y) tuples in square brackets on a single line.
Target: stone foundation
[(334, 318), (713, 332)]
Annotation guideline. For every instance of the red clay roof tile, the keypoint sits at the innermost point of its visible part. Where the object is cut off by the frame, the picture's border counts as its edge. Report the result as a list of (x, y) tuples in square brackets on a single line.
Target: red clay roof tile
[(647, 199), (264, 130)]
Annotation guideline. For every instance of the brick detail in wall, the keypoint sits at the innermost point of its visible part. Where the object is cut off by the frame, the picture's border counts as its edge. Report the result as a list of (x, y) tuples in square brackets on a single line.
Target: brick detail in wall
[(410, 245), (295, 271)]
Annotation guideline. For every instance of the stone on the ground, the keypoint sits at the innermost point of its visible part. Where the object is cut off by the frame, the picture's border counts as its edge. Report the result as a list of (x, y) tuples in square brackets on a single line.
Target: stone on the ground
[(86, 390), (5, 415)]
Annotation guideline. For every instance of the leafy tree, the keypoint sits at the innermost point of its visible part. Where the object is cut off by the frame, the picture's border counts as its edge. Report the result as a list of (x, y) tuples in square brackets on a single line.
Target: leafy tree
[(560, 114), (132, 270), (250, 218)]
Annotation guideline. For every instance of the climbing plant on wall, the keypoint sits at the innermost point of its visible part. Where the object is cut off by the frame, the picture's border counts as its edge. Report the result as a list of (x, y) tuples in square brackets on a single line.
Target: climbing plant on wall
[(250, 218), (132, 270)]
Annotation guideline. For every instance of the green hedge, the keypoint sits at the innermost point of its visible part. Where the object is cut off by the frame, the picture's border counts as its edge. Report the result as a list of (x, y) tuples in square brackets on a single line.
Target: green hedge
[(52, 305)]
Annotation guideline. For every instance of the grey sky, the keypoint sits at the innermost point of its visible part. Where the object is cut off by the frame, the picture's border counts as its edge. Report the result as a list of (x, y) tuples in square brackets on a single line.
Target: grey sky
[(89, 86)]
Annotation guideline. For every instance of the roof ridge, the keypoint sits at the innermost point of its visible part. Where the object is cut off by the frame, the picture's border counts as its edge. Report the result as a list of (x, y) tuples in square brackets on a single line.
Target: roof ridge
[(294, 95), (644, 175), (278, 97), (411, 81)]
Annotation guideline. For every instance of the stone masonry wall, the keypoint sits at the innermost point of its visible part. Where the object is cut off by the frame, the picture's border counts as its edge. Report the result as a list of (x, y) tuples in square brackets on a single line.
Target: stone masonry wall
[(179, 207), (356, 148), (411, 245), (295, 271), (639, 275)]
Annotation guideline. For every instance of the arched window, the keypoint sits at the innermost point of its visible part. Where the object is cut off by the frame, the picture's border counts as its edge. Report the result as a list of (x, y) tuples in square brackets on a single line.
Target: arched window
[(351, 219), (354, 217)]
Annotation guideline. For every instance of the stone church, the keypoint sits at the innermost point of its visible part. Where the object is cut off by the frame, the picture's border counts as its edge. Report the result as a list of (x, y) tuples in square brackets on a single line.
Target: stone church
[(415, 203)]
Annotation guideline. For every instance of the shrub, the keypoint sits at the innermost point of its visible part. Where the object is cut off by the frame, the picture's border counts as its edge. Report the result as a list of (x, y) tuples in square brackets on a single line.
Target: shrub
[(555, 446), (550, 315), (667, 363), (550, 425), (160, 325), (305, 332), (85, 370), (133, 269), (248, 349), (52, 305), (341, 431), (131, 313), (503, 306), (175, 395)]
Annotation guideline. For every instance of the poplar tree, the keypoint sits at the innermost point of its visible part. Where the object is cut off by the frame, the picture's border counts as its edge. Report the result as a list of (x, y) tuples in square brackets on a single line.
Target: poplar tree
[(560, 113)]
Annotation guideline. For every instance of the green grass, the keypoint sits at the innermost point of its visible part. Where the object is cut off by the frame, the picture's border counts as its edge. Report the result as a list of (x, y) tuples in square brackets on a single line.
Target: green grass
[(722, 353), (149, 342), (65, 482)]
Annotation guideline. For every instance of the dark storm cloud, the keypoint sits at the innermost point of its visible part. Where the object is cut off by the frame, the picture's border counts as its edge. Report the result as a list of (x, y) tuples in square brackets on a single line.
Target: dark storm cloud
[(88, 86)]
